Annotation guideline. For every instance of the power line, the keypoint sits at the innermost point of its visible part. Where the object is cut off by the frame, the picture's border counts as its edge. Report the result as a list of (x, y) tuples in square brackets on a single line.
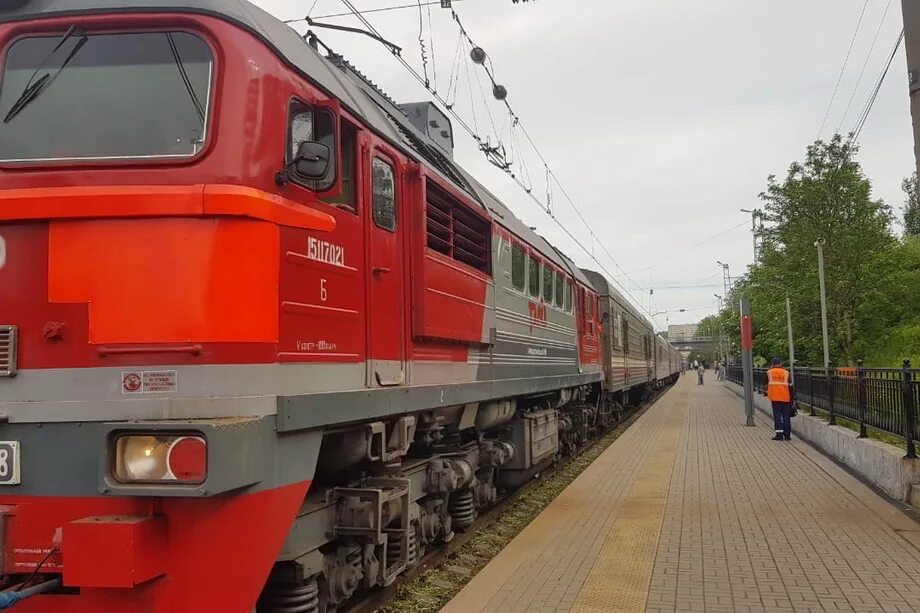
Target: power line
[(692, 247), (843, 69), (862, 72), (474, 134), (700, 286), (878, 86), (368, 11), (547, 207)]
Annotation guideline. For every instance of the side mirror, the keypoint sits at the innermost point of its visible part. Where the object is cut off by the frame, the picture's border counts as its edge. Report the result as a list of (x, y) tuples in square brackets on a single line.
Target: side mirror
[(312, 160)]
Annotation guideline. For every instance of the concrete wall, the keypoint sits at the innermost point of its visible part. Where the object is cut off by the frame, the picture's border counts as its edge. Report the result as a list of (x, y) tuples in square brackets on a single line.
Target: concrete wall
[(880, 463)]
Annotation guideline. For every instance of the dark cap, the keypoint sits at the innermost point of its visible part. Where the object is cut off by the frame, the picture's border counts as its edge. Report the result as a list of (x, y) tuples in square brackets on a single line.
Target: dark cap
[(777, 361)]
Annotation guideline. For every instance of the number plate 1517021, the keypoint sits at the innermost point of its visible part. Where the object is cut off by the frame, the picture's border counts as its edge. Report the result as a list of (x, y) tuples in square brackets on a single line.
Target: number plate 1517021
[(9, 462)]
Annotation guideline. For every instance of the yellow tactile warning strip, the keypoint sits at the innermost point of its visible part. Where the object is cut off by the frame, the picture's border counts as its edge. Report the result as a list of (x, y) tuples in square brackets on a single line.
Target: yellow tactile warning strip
[(620, 577), (545, 566)]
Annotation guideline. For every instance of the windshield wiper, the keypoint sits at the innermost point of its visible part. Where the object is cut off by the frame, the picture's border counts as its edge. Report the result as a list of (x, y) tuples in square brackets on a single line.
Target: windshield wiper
[(183, 74), (35, 88)]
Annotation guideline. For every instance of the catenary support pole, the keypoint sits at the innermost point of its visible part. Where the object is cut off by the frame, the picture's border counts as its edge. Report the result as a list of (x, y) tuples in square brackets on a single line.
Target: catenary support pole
[(791, 343), (747, 359), (827, 353), (911, 10)]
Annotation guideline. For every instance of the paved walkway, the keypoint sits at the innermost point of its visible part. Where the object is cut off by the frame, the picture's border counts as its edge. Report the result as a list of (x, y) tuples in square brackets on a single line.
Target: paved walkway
[(691, 511)]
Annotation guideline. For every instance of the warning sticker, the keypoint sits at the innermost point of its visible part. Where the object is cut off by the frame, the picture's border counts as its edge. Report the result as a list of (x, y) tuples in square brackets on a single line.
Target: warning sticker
[(149, 382)]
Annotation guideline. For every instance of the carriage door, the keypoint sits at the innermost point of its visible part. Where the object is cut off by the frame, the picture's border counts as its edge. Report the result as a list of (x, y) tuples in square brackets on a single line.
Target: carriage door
[(385, 307)]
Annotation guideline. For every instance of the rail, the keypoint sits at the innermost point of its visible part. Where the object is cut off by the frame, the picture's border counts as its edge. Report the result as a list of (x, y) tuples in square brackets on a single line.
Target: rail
[(885, 399)]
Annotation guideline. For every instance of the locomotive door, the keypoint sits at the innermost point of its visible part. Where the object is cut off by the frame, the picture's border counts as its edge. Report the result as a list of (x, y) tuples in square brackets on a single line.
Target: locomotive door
[(386, 303)]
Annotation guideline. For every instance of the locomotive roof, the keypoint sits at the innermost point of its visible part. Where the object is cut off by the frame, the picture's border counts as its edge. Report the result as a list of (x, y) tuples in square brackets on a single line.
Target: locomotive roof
[(335, 76)]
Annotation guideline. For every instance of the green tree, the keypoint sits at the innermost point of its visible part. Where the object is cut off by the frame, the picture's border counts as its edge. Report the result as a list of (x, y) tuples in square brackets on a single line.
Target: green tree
[(891, 322), (911, 207), (825, 196)]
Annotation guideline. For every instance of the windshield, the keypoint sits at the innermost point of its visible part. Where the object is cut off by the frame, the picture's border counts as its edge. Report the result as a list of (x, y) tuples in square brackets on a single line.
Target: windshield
[(131, 95)]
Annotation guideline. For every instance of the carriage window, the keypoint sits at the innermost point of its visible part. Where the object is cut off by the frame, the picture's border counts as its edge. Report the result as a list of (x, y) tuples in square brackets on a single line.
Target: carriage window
[(618, 331), (309, 125), (568, 296), (548, 285), (384, 196), (517, 267), (560, 290), (347, 199), (137, 95), (534, 278)]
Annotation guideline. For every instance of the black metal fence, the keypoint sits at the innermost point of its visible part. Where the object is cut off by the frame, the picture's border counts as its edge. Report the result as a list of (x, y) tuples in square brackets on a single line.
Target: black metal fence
[(886, 399)]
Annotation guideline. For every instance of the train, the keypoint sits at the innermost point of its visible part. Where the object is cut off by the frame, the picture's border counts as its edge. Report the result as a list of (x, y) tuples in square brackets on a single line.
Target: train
[(262, 340)]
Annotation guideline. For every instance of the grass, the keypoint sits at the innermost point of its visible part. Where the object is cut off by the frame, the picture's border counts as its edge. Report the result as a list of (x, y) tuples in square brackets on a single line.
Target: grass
[(878, 435), (434, 588)]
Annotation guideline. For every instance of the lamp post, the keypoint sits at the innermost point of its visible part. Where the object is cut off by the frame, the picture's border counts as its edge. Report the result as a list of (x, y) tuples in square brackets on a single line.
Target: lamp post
[(827, 353), (788, 330), (719, 313)]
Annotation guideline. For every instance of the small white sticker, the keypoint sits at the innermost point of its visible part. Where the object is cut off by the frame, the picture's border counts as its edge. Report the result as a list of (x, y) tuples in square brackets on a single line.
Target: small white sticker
[(2, 252), (149, 382)]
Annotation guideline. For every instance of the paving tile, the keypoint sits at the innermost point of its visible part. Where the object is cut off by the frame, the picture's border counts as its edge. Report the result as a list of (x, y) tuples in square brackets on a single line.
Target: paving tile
[(712, 516)]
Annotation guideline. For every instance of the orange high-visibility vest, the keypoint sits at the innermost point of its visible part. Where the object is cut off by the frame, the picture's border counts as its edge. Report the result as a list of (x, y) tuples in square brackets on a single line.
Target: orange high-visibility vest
[(778, 385)]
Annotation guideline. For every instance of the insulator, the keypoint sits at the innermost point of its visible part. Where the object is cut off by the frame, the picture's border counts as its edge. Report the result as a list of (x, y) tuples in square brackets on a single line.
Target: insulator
[(462, 509), (287, 598), (478, 55), (499, 92)]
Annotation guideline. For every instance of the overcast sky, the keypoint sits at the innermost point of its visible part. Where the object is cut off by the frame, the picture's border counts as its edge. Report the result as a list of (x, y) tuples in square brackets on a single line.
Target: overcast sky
[(661, 118)]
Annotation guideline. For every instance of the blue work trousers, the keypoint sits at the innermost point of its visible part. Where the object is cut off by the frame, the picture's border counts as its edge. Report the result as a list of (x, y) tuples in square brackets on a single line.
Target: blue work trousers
[(782, 418)]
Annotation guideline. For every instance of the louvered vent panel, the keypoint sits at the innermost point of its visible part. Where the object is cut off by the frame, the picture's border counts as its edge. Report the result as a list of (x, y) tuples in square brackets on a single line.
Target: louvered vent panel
[(457, 232), (7, 351)]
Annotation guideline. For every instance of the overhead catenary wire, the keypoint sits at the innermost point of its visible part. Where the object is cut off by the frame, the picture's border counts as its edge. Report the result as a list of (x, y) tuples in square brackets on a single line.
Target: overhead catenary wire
[(692, 247), (479, 140), (422, 45), (867, 110), (843, 68), (490, 72), (862, 71), (383, 9)]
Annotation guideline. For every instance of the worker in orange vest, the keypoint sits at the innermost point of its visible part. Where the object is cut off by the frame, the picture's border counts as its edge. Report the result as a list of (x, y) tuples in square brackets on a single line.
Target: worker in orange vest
[(782, 396)]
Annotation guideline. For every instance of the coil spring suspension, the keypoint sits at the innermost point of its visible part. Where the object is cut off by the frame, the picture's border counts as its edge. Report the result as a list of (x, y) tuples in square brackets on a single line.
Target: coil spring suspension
[(394, 550), (462, 509), (286, 598)]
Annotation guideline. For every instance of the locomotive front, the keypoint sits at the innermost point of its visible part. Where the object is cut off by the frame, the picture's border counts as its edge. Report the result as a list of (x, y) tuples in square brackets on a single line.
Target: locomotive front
[(140, 240)]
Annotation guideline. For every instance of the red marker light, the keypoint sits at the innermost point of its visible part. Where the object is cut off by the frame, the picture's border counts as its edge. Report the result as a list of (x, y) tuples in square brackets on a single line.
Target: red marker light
[(188, 459)]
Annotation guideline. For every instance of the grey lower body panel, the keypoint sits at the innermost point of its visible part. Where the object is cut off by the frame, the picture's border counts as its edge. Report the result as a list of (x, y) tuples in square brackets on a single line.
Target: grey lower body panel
[(320, 410)]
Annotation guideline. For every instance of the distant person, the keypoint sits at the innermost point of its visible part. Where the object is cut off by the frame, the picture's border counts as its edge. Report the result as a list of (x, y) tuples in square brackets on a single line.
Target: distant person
[(782, 396), (721, 371), (700, 371)]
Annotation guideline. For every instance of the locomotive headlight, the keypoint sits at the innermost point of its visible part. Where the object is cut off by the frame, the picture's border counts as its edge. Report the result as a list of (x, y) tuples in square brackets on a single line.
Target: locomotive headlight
[(143, 458)]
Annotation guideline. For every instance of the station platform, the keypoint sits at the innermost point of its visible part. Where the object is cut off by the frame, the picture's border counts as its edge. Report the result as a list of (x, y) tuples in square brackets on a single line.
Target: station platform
[(689, 510)]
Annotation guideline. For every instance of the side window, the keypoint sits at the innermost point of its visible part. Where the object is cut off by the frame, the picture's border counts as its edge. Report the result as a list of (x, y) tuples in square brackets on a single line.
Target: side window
[(560, 291), (308, 125), (548, 284), (518, 271), (534, 278), (384, 195), (568, 296), (348, 198)]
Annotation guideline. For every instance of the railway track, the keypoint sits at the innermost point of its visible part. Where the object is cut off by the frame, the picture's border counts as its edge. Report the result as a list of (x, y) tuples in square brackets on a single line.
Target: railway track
[(375, 600)]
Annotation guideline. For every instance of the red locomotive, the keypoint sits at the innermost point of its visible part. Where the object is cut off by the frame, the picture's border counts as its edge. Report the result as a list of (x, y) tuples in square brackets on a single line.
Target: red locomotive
[(262, 341)]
